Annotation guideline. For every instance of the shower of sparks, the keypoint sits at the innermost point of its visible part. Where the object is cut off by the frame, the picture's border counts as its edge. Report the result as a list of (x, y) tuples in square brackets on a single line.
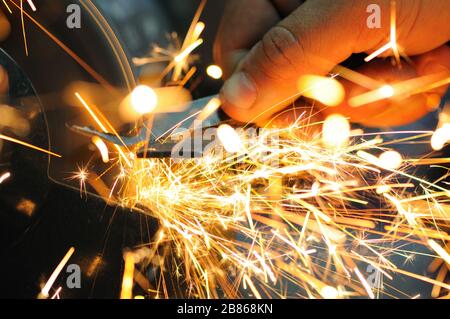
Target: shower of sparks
[(178, 55), (315, 232)]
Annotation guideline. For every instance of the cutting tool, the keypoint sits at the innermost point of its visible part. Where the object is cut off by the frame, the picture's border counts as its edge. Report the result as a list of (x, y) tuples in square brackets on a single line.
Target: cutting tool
[(158, 143)]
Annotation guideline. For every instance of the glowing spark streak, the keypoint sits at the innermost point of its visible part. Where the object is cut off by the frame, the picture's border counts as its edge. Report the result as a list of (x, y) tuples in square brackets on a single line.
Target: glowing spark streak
[(25, 43), (373, 264), (102, 148), (439, 250), (91, 113), (128, 275), (382, 93), (32, 6), (409, 216), (392, 44), (209, 109), (56, 273), (13, 140), (357, 78), (199, 27), (7, 6), (378, 52), (56, 295), (102, 126), (364, 283), (252, 287), (4, 177), (183, 55)]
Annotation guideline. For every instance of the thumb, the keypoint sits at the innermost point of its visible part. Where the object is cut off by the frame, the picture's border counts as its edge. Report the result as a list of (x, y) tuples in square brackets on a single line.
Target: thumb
[(5, 27), (266, 80)]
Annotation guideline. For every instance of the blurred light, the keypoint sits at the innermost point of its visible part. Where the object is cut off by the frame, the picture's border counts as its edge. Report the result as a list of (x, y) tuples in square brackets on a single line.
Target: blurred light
[(143, 99), (391, 160), (230, 139), (212, 106), (128, 275), (102, 148), (26, 207), (183, 55), (382, 93), (335, 131), (326, 90), (4, 177), (215, 72), (199, 27), (32, 6), (440, 137), (329, 292), (386, 91)]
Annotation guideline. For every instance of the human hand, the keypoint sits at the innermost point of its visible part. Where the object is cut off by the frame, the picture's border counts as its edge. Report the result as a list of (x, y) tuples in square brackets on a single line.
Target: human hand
[(5, 28), (265, 56)]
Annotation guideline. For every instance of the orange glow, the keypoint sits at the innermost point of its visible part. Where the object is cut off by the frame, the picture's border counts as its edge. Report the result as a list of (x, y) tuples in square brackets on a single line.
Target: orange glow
[(326, 90), (384, 92), (335, 131), (214, 71), (144, 99), (102, 148), (128, 275)]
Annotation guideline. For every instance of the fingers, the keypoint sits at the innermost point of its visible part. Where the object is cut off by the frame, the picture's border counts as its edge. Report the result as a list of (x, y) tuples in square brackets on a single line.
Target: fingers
[(5, 27), (243, 24), (312, 40), (403, 110), (317, 36), (286, 7), (4, 82)]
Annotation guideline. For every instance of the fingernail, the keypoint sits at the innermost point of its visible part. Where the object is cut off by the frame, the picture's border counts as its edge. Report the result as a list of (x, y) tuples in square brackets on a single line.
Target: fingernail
[(240, 91)]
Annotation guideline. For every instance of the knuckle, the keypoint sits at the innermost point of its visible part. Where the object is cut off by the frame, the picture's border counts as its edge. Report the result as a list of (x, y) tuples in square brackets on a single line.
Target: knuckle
[(281, 47)]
